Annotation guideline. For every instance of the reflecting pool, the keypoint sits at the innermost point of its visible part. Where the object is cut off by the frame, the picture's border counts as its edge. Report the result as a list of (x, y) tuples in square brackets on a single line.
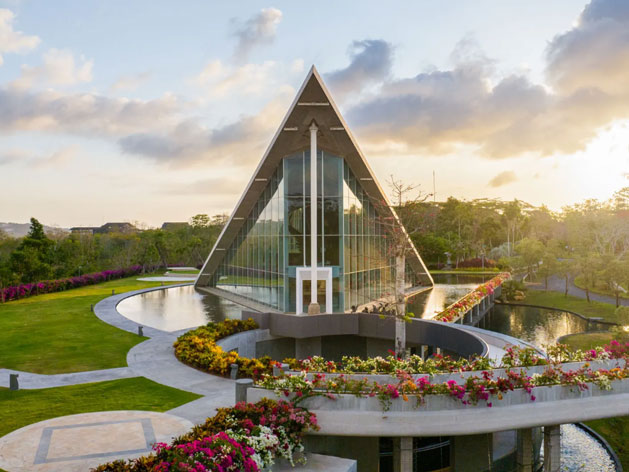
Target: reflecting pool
[(539, 326), (177, 308)]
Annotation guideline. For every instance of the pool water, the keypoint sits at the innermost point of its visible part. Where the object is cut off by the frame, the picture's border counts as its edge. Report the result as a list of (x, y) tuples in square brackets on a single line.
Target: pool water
[(176, 308)]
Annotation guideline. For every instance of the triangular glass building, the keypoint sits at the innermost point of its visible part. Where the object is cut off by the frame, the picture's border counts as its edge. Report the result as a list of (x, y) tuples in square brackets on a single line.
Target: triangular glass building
[(263, 257)]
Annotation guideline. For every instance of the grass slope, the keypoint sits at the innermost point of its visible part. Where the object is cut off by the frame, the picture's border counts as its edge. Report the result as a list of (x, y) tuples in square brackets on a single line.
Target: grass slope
[(57, 333), (24, 407), (571, 303)]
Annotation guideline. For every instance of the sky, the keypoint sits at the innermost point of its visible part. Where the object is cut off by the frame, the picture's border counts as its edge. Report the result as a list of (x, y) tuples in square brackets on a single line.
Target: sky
[(153, 111)]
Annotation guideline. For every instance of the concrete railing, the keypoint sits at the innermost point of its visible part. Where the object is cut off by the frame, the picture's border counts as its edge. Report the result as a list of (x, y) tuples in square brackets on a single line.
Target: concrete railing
[(349, 415), (462, 376)]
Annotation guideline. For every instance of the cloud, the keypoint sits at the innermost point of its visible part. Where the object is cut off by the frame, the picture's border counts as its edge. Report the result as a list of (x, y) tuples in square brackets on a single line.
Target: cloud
[(57, 159), (468, 107), (84, 114), (189, 143), (59, 68), (13, 41), (503, 178), (130, 82), (220, 80), (593, 54), (257, 30), (370, 62)]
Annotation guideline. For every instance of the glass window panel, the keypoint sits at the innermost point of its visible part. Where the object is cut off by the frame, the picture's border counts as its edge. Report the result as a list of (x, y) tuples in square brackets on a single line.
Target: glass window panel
[(294, 172), (331, 176), (332, 250), (331, 216)]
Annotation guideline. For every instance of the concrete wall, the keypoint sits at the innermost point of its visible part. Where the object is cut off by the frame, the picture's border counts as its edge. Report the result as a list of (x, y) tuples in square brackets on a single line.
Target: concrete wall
[(277, 349), (365, 450), (448, 337)]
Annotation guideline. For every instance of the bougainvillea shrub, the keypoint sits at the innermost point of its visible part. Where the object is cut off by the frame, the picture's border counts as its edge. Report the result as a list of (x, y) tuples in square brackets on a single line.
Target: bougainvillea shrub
[(16, 292), (247, 437)]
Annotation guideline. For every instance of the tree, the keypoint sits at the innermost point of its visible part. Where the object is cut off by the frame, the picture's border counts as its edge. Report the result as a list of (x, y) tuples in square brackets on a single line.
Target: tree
[(549, 265), (32, 258), (406, 198), (530, 252), (613, 272), (565, 268), (586, 266)]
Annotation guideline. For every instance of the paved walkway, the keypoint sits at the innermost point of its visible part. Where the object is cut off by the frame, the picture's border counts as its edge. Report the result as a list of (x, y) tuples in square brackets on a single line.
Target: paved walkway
[(558, 284), (29, 381), (80, 442)]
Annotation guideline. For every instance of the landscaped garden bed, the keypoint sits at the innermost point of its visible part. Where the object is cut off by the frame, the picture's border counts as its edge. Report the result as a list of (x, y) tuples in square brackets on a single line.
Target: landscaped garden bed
[(459, 308), (400, 378), (247, 437)]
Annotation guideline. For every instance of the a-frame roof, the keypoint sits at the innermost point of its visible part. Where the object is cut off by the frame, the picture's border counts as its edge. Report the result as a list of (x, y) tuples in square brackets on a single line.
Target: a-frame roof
[(313, 102)]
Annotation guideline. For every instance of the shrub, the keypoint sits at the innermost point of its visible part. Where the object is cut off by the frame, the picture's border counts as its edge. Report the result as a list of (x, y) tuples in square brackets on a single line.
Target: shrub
[(246, 437), (16, 292), (198, 348), (477, 262)]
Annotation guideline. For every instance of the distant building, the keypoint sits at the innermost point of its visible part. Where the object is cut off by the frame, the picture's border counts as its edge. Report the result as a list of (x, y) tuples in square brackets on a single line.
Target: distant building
[(174, 225), (125, 228), (84, 230)]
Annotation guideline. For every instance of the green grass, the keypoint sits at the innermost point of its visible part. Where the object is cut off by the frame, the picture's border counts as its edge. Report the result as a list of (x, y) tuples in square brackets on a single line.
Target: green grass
[(571, 303), (195, 271), (600, 288), (614, 430), (57, 333), (24, 407), (587, 341), (472, 271)]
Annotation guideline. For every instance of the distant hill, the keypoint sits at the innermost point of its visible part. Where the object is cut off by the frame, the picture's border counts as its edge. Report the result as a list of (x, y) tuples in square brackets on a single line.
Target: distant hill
[(18, 230)]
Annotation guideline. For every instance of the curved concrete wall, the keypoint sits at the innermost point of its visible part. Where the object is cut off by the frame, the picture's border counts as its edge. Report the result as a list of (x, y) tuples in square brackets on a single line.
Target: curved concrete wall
[(421, 332), (349, 415)]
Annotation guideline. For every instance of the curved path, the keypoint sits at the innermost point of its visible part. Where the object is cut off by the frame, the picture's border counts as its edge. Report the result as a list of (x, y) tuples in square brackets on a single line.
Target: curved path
[(558, 284), (28, 380)]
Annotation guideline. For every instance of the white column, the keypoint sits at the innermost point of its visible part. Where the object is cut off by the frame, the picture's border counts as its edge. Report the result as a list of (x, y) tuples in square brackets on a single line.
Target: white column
[(313, 308)]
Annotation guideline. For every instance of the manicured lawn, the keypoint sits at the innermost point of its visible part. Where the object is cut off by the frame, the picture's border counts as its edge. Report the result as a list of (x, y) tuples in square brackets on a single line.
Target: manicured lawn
[(467, 271), (600, 288), (191, 271), (578, 305), (614, 430), (24, 407), (57, 332), (587, 341)]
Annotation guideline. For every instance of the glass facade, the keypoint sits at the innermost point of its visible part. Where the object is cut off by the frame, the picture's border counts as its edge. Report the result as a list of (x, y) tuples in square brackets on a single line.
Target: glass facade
[(262, 262)]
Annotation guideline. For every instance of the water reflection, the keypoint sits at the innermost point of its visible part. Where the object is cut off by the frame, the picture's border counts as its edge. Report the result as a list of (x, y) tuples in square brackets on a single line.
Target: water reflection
[(447, 290), (538, 326), (582, 453), (177, 308)]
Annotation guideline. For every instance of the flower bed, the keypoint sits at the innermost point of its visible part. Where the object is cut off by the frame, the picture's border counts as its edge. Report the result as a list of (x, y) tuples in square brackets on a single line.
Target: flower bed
[(198, 349), (463, 305), (248, 437), (16, 292), (469, 391)]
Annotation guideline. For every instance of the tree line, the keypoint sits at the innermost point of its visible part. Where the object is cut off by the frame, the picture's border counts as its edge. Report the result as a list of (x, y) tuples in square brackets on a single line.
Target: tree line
[(588, 241), (41, 256)]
